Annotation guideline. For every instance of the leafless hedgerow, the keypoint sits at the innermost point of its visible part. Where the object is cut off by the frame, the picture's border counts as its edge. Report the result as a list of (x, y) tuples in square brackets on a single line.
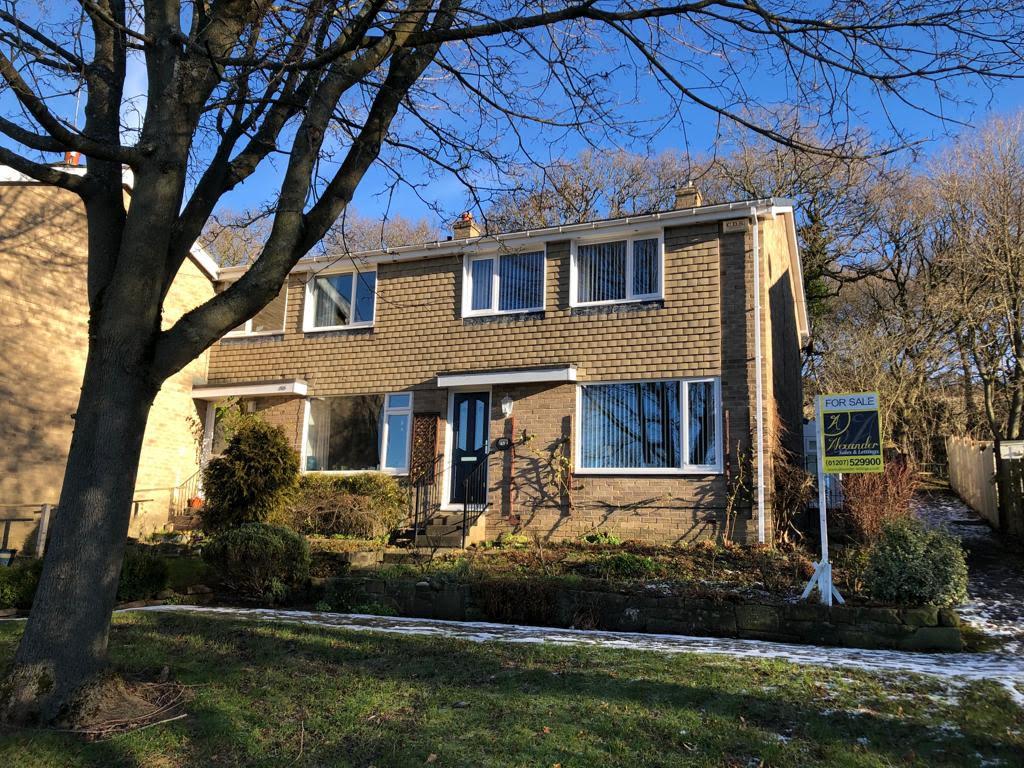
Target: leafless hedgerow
[(323, 91)]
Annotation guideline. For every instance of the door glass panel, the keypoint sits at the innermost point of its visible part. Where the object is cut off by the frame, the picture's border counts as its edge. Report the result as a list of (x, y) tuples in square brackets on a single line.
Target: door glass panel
[(462, 426), (479, 425)]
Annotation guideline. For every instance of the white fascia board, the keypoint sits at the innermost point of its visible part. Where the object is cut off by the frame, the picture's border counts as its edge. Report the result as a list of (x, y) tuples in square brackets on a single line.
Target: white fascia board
[(565, 373), (534, 238), (295, 387), (202, 259)]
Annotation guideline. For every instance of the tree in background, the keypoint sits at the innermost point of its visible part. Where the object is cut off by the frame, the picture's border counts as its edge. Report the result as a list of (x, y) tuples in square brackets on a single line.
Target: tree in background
[(325, 91)]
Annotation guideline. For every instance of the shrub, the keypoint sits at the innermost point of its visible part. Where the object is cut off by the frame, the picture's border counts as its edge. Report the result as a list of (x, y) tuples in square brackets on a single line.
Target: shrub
[(913, 565), (601, 538), (625, 565), (873, 500), (143, 575), (367, 504), (250, 479), (339, 596), (259, 561), (18, 584)]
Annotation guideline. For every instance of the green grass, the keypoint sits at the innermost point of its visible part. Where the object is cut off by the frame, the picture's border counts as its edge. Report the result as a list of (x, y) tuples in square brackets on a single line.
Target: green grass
[(279, 695)]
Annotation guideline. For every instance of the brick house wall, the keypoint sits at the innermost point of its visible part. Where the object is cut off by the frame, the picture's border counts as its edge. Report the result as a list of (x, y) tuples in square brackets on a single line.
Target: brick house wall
[(43, 343), (703, 327)]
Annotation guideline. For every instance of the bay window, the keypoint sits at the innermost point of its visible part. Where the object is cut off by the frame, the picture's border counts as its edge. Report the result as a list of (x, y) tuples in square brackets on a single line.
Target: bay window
[(503, 283), (616, 271), (339, 301), (653, 427), (358, 433)]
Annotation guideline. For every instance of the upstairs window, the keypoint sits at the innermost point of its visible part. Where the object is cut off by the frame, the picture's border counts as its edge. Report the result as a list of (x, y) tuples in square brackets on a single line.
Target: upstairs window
[(617, 271), (506, 283), (335, 302), (268, 320), (655, 427)]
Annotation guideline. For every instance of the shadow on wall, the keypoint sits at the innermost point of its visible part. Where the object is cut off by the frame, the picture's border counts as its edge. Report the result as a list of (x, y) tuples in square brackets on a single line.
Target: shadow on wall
[(43, 336)]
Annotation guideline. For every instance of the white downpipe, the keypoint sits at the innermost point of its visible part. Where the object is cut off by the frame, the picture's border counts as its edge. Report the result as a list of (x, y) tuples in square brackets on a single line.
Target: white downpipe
[(758, 385)]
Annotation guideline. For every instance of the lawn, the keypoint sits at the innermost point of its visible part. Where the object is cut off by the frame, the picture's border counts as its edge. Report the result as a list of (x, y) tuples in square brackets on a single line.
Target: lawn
[(276, 695)]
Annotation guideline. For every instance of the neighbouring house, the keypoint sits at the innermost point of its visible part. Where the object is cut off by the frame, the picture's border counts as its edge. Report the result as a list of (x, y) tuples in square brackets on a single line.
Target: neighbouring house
[(43, 345), (618, 375)]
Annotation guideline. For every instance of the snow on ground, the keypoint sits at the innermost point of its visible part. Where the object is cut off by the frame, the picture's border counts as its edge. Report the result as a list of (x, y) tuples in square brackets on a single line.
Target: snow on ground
[(954, 668), (995, 604)]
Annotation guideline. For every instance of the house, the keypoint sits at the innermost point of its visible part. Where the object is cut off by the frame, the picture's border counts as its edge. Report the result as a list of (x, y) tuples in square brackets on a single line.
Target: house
[(43, 344), (618, 375)]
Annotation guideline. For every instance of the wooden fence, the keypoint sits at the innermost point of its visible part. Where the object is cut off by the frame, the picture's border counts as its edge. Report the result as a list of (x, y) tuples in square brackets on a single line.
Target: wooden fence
[(972, 474)]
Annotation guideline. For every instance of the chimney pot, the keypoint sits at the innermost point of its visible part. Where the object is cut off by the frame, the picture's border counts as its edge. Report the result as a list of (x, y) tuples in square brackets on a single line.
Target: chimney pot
[(71, 158), (465, 226), (688, 196)]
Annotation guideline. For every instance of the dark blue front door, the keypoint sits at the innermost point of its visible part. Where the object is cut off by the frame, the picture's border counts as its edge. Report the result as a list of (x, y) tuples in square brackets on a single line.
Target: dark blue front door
[(470, 427)]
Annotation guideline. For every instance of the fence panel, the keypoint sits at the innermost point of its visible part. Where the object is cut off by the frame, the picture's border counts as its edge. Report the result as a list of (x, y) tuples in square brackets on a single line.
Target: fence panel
[(972, 474)]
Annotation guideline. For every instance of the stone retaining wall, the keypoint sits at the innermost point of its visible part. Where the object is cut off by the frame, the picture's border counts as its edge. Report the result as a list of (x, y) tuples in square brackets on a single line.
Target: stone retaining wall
[(554, 604)]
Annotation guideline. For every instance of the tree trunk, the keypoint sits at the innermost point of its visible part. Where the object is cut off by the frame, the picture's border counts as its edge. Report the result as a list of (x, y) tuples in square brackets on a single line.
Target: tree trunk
[(65, 641)]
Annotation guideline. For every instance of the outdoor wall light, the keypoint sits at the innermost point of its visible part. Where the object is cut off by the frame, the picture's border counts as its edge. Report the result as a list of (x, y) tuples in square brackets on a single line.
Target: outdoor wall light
[(506, 406)]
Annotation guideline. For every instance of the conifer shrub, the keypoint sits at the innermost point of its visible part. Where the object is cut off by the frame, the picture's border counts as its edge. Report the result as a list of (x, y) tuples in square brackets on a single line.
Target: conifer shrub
[(251, 479), (910, 564)]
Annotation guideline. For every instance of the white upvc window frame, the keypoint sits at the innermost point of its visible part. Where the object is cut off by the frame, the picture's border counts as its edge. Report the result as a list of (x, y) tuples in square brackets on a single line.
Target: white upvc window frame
[(495, 256), (309, 303), (381, 448), (685, 468), (389, 410), (630, 298), (248, 333)]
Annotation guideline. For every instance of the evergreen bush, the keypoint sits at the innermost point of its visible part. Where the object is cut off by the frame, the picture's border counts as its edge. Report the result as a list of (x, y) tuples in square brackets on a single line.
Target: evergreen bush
[(365, 505), (914, 565), (143, 575), (259, 561), (18, 584), (251, 479)]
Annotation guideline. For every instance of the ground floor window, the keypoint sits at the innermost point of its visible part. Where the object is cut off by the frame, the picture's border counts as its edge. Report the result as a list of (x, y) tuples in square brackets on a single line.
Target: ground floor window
[(353, 433), (650, 426)]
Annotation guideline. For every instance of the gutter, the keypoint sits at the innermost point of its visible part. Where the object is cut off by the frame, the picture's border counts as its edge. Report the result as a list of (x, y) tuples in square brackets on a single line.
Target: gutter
[(758, 385)]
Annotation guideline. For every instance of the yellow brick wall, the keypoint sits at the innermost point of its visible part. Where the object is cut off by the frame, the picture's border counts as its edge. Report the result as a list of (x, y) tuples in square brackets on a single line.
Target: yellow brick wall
[(43, 340)]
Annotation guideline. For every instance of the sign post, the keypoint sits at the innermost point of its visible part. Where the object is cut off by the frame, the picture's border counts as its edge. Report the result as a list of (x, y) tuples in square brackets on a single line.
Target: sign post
[(849, 442)]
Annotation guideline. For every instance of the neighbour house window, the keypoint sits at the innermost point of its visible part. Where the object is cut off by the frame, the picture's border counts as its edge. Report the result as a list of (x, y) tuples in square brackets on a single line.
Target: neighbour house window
[(268, 320), (652, 426), (621, 270), (510, 282), (340, 301), (353, 433)]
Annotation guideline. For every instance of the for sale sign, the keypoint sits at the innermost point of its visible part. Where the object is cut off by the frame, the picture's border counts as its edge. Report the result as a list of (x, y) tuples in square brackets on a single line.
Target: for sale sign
[(851, 435)]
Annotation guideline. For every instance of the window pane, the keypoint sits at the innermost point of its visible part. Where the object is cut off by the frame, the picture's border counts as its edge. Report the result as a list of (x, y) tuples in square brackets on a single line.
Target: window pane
[(601, 271), (631, 426), (333, 301), (645, 267), (521, 281), (366, 296), (344, 433), (703, 449), (481, 276), (402, 400), (398, 437)]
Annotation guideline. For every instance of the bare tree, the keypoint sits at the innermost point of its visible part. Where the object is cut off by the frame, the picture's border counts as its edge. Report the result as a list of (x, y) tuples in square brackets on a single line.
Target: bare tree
[(327, 90)]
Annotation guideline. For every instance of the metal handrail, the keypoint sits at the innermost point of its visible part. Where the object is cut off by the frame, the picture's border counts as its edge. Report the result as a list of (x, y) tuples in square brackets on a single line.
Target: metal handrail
[(476, 481), (425, 489)]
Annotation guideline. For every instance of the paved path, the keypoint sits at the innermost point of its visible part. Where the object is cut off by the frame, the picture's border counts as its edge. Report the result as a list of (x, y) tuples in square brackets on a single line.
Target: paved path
[(1005, 668), (995, 586)]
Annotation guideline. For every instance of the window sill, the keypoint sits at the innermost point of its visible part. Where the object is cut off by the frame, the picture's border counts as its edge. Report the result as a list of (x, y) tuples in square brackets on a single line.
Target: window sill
[(503, 317), (252, 335), (639, 472), (340, 329), (616, 307)]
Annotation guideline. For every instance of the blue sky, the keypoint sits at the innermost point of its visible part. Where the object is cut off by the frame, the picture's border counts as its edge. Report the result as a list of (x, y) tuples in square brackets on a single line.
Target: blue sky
[(695, 129)]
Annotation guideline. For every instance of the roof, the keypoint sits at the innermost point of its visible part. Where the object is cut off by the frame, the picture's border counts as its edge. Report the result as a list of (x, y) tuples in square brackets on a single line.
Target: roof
[(199, 255)]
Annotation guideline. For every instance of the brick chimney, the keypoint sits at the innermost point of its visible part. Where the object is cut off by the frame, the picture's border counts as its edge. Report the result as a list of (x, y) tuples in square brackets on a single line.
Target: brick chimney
[(688, 196), (466, 226)]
